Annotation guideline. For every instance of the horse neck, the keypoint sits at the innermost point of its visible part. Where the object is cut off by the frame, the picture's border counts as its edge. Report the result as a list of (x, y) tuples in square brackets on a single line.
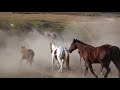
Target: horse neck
[(54, 47), (24, 50), (81, 46)]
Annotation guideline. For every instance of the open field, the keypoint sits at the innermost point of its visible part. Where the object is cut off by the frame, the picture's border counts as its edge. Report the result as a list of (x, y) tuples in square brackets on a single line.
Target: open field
[(93, 30)]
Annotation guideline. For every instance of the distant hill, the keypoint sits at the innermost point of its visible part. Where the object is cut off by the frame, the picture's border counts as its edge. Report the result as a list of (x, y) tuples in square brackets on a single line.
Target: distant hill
[(73, 13)]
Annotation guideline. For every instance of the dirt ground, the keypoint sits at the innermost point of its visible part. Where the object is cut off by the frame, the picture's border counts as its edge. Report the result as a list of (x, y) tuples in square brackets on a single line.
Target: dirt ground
[(95, 30)]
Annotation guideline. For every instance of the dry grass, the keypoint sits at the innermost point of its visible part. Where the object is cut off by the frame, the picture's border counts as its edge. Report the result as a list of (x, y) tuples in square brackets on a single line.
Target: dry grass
[(46, 17)]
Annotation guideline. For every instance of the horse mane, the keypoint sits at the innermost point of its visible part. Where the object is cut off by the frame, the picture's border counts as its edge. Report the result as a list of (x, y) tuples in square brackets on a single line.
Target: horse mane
[(83, 43)]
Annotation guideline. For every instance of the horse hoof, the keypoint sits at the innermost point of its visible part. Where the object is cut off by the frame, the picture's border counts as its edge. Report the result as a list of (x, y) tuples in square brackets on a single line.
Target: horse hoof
[(96, 76), (84, 74)]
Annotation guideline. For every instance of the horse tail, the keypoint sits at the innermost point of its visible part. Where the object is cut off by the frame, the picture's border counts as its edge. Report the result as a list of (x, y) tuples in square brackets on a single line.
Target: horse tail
[(67, 59), (30, 55), (115, 57)]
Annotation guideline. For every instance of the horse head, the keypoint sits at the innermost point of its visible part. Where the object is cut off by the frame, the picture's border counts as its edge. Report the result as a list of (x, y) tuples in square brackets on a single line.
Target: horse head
[(23, 46), (52, 47), (73, 46), (23, 49)]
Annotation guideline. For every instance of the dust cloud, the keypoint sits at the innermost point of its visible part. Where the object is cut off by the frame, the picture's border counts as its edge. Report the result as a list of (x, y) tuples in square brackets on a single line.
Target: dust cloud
[(91, 30)]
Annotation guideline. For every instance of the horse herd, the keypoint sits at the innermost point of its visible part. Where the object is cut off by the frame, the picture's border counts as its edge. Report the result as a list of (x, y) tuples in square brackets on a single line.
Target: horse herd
[(103, 55)]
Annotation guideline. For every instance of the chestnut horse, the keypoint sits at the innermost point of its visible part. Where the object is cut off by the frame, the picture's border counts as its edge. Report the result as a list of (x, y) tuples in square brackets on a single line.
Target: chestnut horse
[(27, 54), (102, 54)]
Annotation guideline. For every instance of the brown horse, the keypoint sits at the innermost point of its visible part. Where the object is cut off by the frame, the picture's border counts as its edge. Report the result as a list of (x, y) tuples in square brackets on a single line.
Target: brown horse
[(27, 54), (102, 54)]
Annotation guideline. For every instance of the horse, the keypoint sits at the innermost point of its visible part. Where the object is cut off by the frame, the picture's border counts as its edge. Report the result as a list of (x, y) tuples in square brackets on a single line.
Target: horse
[(102, 55), (27, 54), (61, 54), (53, 35), (50, 34)]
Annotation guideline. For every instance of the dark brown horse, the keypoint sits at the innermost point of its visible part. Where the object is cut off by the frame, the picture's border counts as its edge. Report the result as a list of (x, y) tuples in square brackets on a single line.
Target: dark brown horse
[(27, 54), (102, 54)]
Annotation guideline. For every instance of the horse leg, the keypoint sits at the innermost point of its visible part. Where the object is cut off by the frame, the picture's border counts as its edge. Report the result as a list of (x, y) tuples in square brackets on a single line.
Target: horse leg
[(21, 61), (67, 62), (61, 65), (52, 63), (117, 64), (105, 64), (80, 56), (101, 70), (31, 63), (108, 70), (58, 65), (91, 69), (86, 69)]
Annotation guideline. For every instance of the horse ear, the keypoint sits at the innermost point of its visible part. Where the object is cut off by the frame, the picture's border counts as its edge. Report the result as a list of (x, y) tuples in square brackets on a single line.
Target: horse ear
[(74, 39)]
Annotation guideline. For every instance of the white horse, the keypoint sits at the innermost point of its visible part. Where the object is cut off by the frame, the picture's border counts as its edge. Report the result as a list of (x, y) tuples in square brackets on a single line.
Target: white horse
[(61, 54)]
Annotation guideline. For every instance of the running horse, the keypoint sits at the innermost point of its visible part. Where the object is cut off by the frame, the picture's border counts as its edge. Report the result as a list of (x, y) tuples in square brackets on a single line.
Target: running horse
[(102, 55), (61, 54), (27, 54)]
